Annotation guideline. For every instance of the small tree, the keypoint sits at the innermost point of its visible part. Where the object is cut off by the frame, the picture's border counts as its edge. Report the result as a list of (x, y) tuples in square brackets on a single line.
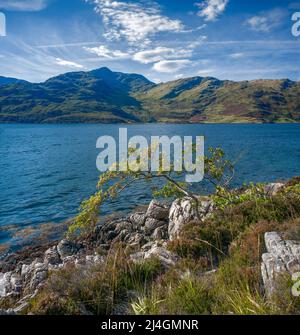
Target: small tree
[(218, 171)]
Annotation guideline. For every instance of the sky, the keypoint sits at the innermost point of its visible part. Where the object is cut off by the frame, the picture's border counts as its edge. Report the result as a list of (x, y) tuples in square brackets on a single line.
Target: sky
[(163, 39)]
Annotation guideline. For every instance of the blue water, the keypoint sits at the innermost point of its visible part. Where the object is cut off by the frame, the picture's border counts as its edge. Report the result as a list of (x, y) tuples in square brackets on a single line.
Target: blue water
[(47, 170)]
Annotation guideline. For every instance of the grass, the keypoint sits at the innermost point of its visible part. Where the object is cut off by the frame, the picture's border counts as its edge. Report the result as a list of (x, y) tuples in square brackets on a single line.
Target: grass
[(230, 243)]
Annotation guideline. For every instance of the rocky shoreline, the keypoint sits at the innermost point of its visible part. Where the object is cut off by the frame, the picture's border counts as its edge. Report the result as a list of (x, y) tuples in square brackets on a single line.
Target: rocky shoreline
[(145, 235)]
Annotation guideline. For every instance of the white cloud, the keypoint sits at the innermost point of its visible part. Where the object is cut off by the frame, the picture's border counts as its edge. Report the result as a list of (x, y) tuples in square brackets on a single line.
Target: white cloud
[(23, 5), (105, 52), (266, 21), (134, 22), (237, 55), (211, 9), (67, 63), (169, 66), (159, 54), (206, 72)]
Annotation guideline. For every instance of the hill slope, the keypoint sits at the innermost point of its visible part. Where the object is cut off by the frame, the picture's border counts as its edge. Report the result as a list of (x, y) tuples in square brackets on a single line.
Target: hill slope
[(211, 100), (109, 97)]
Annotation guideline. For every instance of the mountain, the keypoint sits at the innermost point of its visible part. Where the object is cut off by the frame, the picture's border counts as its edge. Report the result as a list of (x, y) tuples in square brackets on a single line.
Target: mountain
[(8, 80), (211, 100), (105, 96), (97, 96)]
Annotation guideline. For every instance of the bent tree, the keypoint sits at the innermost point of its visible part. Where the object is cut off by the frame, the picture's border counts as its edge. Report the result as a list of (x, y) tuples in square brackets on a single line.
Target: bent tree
[(218, 171)]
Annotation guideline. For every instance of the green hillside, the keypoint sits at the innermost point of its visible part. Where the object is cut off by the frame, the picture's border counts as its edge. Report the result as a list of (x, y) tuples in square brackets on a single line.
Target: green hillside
[(110, 97)]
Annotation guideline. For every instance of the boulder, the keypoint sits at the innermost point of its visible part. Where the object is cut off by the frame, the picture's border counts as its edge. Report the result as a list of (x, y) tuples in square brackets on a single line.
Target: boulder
[(160, 233), (39, 274), (5, 285), (67, 248), (151, 224), (138, 219), (123, 225), (182, 211), (282, 257), (166, 257), (273, 188), (52, 256), (157, 210)]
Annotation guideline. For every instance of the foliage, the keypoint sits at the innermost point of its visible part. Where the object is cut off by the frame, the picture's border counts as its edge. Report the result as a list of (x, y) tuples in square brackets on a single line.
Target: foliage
[(218, 171), (224, 197)]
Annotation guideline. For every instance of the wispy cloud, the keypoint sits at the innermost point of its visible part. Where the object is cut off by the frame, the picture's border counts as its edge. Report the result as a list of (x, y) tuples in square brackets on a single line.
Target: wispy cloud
[(211, 9), (134, 21), (169, 66), (23, 5), (161, 53), (67, 63), (237, 55), (267, 21), (104, 52)]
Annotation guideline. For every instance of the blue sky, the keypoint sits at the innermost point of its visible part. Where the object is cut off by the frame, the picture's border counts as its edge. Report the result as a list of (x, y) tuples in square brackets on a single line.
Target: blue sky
[(163, 39)]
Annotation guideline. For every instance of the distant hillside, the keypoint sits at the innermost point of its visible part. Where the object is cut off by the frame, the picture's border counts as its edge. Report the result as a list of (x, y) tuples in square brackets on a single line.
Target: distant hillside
[(211, 100), (110, 97), (7, 81)]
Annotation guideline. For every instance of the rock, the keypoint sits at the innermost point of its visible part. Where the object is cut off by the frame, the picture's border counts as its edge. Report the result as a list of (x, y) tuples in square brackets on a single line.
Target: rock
[(206, 208), (160, 233), (5, 285), (182, 211), (7, 312), (138, 219), (15, 283), (111, 235), (282, 257), (40, 273), (147, 246), (273, 188), (166, 257), (157, 210), (52, 256), (124, 225), (151, 224), (136, 238), (137, 256), (67, 248)]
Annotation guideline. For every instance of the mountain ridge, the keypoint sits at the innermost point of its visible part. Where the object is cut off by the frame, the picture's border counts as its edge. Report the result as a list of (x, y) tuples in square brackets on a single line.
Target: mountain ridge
[(105, 96)]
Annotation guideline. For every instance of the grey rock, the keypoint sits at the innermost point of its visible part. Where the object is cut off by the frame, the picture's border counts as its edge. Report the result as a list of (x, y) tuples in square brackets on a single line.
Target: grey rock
[(138, 219), (111, 235), (147, 246), (123, 225), (39, 274), (7, 312), (5, 285), (281, 257), (52, 256), (67, 248), (151, 224), (137, 256), (166, 257), (157, 210), (182, 211), (160, 233), (273, 188)]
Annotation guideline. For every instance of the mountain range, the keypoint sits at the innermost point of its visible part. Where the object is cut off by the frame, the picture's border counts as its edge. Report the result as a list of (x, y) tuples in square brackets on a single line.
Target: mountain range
[(104, 96)]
